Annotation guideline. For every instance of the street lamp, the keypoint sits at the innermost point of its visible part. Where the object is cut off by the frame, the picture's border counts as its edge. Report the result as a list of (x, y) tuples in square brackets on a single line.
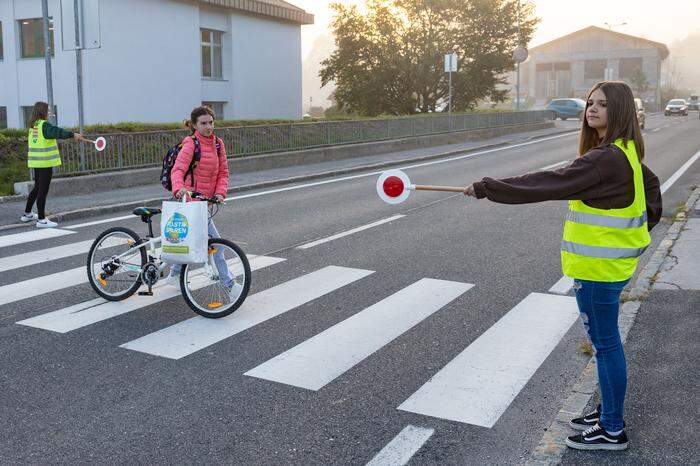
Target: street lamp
[(610, 26)]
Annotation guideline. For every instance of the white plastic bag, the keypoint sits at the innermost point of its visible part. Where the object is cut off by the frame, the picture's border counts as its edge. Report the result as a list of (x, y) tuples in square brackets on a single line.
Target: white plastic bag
[(184, 232)]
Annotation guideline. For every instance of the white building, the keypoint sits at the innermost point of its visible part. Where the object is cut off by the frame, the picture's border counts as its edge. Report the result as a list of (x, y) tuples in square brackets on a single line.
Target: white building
[(154, 60)]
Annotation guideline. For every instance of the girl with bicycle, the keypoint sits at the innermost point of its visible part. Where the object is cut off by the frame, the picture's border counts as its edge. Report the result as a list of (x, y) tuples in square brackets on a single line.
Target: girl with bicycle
[(207, 177)]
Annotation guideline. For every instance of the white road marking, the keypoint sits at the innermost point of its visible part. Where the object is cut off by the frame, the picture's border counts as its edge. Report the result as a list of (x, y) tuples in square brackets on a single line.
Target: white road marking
[(563, 286), (83, 314), (401, 449), (669, 182), (479, 384), (655, 130), (41, 285), (192, 335), (349, 232), (324, 357), (44, 255), (99, 222), (33, 235)]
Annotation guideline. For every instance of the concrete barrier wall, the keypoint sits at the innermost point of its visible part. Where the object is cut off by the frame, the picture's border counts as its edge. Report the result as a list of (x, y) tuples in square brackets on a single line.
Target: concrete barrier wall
[(139, 177)]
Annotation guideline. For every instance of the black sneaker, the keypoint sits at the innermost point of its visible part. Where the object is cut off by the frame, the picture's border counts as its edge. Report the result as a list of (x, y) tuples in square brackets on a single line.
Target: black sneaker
[(587, 421), (596, 438)]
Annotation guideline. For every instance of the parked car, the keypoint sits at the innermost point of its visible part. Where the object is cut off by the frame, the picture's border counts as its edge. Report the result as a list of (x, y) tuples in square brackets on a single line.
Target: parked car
[(694, 102), (641, 116), (567, 108), (676, 107)]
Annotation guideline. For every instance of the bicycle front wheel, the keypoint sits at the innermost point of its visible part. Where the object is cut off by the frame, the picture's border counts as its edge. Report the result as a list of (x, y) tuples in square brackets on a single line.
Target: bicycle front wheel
[(218, 287)]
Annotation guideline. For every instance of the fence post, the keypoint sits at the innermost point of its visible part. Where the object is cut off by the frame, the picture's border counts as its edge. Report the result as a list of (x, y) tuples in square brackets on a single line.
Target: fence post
[(120, 157), (328, 134), (290, 140), (388, 129)]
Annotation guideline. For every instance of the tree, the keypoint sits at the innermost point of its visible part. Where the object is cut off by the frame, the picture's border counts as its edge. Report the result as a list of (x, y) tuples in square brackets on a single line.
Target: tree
[(390, 60), (639, 81)]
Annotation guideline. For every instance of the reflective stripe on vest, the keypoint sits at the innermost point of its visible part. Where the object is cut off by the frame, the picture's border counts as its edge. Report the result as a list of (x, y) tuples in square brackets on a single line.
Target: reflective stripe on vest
[(42, 152), (601, 252), (606, 220)]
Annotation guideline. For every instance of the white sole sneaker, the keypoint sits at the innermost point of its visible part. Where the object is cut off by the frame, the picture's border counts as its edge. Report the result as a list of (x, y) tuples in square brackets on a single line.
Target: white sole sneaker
[(46, 224), (30, 218)]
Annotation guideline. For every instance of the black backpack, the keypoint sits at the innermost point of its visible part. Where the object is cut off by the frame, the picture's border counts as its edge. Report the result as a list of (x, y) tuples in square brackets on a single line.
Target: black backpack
[(171, 156)]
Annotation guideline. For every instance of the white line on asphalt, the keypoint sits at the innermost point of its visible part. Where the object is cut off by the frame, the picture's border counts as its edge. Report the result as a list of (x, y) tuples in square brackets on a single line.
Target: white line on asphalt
[(563, 286), (99, 222), (554, 165), (192, 335), (83, 314), (324, 357), (33, 235), (669, 182), (479, 384), (655, 130), (41, 285), (349, 232), (401, 449), (44, 255), (405, 167)]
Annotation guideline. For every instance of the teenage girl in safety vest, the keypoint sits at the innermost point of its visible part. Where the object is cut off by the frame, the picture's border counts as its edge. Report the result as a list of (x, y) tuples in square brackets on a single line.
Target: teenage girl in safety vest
[(614, 201), (42, 156)]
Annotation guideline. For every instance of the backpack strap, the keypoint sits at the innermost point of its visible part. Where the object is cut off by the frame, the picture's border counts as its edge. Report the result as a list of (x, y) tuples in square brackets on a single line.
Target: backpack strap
[(196, 155)]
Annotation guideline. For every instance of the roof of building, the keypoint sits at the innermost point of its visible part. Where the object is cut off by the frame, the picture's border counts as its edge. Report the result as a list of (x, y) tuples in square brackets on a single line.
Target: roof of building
[(662, 47), (278, 9)]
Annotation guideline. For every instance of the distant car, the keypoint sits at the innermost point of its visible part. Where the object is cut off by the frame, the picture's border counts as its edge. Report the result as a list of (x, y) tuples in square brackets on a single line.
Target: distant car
[(641, 116), (694, 102), (567, 108), (676, 107)]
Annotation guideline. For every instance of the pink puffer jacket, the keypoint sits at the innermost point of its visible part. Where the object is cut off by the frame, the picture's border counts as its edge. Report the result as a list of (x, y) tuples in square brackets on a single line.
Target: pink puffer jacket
[(210, 175)]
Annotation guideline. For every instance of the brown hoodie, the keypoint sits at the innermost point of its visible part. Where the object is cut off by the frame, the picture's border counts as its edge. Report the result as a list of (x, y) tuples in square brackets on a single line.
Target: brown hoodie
[(602, 178)]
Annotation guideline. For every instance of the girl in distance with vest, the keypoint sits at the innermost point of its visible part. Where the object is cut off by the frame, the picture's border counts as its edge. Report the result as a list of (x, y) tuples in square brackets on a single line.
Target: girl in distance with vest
[(208, 176), (614, 201), (42, 156)]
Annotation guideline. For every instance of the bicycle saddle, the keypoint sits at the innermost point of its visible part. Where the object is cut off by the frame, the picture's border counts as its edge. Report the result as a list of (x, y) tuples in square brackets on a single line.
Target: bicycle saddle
[(146, 211)]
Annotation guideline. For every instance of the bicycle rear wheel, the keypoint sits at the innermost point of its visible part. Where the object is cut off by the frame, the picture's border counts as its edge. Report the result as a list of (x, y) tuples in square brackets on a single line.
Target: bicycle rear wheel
[(116, 279), (218, 287)]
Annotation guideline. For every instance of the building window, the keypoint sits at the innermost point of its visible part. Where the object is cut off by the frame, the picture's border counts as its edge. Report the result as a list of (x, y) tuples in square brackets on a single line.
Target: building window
[(218, 108), (27, 114), (31, 33), (211, 54), (1, 49), (3, 117), (629, 65), (595, 69)]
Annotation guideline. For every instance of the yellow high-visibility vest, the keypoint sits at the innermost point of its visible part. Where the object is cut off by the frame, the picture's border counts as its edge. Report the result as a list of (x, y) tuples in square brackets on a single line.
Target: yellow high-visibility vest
[(43, 153), (604, 245)]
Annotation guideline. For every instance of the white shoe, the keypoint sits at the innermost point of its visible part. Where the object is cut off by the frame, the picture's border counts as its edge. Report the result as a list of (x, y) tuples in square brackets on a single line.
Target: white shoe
[(30, 217), (46, 223), (172, 280)]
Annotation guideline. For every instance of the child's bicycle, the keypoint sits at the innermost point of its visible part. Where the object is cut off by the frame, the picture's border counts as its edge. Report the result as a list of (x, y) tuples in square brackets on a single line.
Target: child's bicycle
[(120, 262)]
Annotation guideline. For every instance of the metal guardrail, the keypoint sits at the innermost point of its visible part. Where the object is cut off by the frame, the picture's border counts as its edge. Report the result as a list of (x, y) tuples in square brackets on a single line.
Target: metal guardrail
[(146, 149)]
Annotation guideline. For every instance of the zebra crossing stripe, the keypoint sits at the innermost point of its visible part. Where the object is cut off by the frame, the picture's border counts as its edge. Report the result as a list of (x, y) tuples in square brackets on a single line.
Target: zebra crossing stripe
[(192, 335), (44, 255), (401, 449), (40, 285), (30, 236), (563, 286), (84, 314), (479, 384), (324, 357)]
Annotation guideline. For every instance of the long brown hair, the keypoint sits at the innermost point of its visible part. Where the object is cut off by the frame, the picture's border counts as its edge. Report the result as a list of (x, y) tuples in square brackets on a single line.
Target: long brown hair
[(191, 124), (622, 119), (39, 112)]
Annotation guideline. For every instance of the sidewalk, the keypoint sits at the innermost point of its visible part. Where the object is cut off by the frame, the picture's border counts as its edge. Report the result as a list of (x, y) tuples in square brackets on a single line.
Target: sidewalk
[(120, 200), (662, 349)]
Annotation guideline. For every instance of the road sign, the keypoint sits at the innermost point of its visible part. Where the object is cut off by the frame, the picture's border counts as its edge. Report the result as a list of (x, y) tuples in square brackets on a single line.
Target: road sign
[(450, 62), (520, 54), (89, 22)]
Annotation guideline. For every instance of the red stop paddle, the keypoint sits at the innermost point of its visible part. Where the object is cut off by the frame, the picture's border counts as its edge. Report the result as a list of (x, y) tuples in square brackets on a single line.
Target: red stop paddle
[(394, 187)]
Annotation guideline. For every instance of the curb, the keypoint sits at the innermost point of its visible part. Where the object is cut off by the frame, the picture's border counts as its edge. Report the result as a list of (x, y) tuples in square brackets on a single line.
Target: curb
[(551, 447), (112, 208)]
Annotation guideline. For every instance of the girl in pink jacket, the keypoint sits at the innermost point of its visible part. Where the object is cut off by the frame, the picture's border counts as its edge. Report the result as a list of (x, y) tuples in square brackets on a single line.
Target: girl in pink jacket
[(209, 177)]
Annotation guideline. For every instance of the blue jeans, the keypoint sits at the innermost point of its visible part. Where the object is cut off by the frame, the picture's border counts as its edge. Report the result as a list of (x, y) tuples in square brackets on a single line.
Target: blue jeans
[(219, 259), (599, 304)]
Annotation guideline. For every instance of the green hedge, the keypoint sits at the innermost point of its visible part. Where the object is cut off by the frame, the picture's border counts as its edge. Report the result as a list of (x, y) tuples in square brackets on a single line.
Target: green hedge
[(13, 163)]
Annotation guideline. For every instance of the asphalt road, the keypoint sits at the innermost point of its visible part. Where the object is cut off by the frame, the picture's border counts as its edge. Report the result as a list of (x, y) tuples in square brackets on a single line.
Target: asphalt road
[(501, 349)]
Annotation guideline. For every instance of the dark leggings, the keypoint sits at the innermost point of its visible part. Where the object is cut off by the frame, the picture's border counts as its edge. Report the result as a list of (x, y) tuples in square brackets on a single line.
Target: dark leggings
[(42, 181)]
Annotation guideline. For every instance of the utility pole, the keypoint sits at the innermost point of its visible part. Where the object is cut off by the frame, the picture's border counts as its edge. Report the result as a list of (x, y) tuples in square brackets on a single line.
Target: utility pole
[(47, 59), (79, 74), (519, 55)]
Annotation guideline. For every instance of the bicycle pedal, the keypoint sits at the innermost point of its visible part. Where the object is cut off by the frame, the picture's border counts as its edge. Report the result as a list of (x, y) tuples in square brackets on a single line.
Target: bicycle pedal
[(145, 293)]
